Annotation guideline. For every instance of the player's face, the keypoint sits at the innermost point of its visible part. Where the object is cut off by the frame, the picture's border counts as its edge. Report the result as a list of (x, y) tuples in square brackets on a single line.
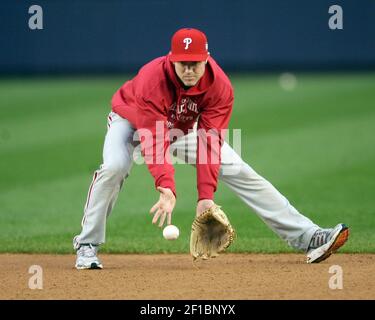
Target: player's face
[(190, 72)]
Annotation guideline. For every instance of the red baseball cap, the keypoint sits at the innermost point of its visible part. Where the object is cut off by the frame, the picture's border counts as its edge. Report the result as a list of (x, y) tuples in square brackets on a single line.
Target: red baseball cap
[(189, 45)]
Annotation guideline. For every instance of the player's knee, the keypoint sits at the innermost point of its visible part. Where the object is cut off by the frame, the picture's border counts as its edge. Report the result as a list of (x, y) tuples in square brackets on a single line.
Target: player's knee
[(244, 175), (248, 172), (116, 169), (240, 169)]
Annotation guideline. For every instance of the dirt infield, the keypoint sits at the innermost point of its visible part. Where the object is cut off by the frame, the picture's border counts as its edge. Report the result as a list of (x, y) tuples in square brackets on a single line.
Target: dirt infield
[(245, 276)]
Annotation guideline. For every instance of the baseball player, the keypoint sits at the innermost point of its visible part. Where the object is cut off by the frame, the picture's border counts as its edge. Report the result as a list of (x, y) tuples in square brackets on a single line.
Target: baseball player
[(186, 92)]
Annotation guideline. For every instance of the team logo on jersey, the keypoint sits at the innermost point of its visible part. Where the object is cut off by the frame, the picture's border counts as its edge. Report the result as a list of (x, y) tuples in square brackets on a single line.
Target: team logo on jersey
[(187, 42), (187, 110), (185, 105)]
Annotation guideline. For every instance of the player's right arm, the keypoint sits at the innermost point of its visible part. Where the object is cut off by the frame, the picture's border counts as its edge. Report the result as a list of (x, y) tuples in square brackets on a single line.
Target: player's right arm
[(152, 129), (140, 100)]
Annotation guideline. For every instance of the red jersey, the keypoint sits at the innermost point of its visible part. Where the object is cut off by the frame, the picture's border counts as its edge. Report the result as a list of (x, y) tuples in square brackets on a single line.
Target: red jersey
[(156, 94)]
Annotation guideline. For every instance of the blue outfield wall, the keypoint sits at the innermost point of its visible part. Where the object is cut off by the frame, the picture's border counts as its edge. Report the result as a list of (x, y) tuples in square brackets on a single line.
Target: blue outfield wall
[(119, 36)]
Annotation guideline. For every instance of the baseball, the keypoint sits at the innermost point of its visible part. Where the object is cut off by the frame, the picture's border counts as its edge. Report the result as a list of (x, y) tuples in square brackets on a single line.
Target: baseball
[(171, 232)]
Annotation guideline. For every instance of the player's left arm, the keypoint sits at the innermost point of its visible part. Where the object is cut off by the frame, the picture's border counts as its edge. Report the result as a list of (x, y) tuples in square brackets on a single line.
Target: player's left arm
[(212, 124)]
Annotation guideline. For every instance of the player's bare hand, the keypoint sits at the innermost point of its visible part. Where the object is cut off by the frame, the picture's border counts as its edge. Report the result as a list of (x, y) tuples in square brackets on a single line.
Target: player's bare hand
[(203, 205), (164, 207)]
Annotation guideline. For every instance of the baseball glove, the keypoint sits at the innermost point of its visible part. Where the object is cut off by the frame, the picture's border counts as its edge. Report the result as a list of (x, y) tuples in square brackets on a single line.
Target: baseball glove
[(211, 233)]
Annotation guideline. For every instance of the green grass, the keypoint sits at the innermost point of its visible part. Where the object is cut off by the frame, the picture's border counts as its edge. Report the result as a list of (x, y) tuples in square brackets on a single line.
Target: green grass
[(316, 144)]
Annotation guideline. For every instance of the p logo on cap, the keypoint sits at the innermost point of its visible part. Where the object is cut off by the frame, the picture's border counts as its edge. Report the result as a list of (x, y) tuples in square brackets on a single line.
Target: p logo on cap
[(187, 41), (189, 45)]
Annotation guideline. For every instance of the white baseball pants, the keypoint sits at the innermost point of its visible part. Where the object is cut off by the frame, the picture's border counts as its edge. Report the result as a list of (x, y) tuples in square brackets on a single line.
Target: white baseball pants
[(260, 195)]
